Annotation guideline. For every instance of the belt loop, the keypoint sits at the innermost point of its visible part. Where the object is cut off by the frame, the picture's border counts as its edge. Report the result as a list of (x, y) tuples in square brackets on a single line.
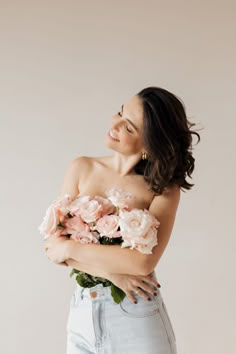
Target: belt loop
[(82, 293)]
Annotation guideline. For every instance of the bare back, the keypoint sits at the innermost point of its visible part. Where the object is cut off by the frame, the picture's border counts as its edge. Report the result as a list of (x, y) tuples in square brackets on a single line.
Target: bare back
[(97, 176)]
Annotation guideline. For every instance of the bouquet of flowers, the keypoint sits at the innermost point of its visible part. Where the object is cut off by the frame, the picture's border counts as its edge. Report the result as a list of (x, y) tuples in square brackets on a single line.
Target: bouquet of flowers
[(101, 220)]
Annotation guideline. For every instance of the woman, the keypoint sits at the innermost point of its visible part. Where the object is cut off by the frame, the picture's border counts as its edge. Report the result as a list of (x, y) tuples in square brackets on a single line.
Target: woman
[(152, 142)]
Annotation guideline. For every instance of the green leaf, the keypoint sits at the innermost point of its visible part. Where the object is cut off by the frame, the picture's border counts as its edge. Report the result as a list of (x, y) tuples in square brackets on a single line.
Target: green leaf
[(84, 281), (117, 294), (74, 271), (88, 281), (110, 241)]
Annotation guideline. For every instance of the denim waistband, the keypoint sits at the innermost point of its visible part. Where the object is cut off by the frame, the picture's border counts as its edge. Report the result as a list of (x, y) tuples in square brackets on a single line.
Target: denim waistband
[(100, 292)]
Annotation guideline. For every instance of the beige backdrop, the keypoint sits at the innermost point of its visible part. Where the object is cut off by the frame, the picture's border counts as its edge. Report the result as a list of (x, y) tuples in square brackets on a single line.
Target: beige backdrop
[(66, 67)]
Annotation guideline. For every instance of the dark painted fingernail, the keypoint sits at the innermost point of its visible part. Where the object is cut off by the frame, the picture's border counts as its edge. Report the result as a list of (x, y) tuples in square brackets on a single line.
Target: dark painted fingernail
[(135, 301), (159, 285), (155, 294), (149, 299)]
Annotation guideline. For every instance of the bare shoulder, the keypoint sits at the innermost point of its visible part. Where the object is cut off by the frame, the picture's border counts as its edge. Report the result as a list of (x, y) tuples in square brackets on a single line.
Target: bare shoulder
[(167, 202), (172, 193), (88, 166), (103, 161), (89, 163), (82, 161), (77, 165), (75, 169)]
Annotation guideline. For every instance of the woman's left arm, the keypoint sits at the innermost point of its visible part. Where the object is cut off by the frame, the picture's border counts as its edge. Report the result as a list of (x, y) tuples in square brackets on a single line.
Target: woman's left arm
[(87, 268), (114, 259)]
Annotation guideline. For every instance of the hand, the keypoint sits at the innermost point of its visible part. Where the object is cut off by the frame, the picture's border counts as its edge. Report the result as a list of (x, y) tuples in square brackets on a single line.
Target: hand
[(57, 249), (134, 283)]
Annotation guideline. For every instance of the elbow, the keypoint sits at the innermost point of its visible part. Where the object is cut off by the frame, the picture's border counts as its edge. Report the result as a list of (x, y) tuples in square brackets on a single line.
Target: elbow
[(143, 265), (141, 269), (145, 269)]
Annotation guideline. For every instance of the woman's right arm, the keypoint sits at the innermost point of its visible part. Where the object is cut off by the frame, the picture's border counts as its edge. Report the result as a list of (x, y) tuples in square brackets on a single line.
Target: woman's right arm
[(125, 282)]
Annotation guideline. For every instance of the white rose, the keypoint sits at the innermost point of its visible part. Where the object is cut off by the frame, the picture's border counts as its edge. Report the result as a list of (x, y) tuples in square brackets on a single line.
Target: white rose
[(138, 229), (118, 197)]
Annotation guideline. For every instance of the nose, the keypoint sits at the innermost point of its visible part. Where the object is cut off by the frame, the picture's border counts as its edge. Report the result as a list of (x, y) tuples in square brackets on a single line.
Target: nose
[(116, 123)]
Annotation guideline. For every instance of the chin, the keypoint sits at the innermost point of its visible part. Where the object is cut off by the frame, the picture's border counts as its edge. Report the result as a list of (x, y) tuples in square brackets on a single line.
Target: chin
[(108, 142)]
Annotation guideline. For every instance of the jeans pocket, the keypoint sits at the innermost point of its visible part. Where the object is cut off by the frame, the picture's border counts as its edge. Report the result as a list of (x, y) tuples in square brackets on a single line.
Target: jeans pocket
[(143, 308), (167, 321)]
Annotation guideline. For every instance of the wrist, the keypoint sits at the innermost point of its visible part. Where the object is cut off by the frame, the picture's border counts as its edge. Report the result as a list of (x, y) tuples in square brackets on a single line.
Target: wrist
[(69, 247), (109, 276)]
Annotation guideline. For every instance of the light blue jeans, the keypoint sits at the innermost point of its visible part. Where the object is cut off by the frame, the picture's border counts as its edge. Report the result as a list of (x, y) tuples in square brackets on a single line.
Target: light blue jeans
[(96, 324)]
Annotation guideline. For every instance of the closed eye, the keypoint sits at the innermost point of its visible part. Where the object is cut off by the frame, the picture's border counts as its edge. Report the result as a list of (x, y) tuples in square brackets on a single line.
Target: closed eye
[(130, 131)]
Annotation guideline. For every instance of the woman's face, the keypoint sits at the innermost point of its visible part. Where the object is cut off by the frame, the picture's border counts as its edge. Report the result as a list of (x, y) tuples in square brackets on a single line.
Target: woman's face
[(126, 128)]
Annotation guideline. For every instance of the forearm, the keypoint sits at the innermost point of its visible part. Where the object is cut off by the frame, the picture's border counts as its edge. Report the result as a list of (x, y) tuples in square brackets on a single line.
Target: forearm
[(109, 258), (88, 269)]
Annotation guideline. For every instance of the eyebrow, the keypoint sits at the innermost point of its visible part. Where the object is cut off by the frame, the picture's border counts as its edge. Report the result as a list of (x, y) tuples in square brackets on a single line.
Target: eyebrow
[(129, 119)]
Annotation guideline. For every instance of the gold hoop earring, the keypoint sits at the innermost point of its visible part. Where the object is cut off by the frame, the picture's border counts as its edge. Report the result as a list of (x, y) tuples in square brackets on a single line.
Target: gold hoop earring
[(144, 156)]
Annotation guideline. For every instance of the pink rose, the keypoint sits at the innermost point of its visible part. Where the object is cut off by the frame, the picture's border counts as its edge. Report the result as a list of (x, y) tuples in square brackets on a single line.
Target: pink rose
[(87, 208), (55, 214), (63, 203), (85, 237), (91, 208), (108, 225), (90, 211), (75, 224), (119, 198), (74, 206), (107, 206)]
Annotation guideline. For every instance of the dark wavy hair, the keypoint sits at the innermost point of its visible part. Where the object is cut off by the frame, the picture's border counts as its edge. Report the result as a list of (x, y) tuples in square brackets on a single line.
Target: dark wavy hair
[(167, 138)]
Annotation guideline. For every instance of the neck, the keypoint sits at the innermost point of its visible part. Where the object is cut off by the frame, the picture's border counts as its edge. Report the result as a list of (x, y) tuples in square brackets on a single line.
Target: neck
[(124, 165)]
